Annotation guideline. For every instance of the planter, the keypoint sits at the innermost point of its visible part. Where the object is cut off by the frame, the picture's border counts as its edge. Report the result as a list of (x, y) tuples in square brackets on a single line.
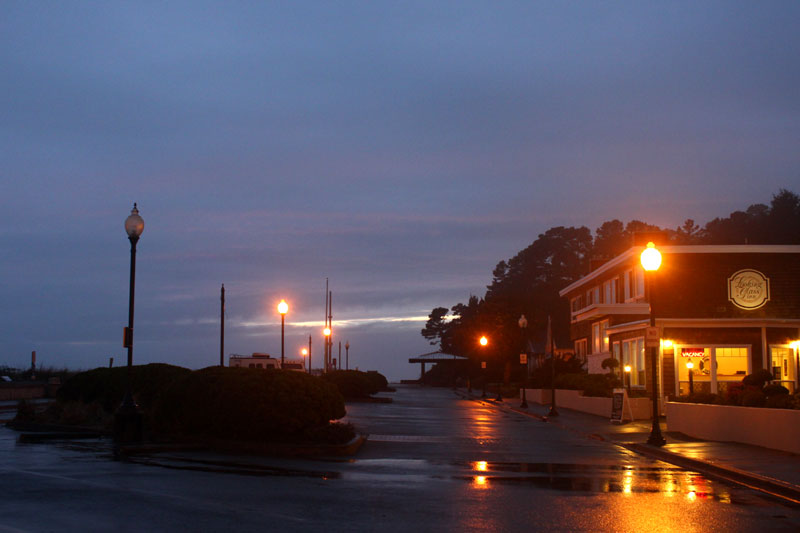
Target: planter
[(778, 429), (573, 399)]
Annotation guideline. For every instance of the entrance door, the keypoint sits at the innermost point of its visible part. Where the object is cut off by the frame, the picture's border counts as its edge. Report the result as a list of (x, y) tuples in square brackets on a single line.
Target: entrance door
[(783, 366)]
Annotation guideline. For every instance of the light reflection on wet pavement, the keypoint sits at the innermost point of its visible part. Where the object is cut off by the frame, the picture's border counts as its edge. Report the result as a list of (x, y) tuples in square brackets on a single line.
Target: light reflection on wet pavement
[(433, 463)]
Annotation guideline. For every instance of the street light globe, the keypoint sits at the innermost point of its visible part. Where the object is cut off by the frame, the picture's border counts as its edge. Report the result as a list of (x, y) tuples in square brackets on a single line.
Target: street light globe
[(326, 332), (484, 341), (650, 258), (304, 351), (134, 224), (283, 307), (627, 368), (689, 365)]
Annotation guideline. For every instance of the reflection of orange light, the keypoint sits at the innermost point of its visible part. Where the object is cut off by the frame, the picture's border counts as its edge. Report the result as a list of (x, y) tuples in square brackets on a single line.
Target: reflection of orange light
[(481, 466), (691, 496), (480, 481), (484, 341)]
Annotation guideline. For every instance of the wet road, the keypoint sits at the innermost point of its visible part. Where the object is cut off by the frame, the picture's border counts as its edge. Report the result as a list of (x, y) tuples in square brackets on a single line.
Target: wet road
[(434, 462)]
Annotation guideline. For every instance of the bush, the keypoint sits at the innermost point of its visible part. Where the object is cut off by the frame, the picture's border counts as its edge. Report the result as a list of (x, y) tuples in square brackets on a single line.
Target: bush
[(775, 390), (609, 363), (757, 378), (752, 397), (106, 386), (354, 384), (247, 404), (780, 401)]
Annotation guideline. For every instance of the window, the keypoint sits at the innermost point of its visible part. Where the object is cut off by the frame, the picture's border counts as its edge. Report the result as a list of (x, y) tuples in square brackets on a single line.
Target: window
[(639, 282), (610, 291), (600, 337), (627, 279), (714, 368), (633, 355), (580, 349)]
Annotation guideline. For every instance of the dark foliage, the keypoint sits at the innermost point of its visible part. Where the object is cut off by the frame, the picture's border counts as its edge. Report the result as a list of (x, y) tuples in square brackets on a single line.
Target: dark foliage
[(247, 404), (106, 386), (354, 384)]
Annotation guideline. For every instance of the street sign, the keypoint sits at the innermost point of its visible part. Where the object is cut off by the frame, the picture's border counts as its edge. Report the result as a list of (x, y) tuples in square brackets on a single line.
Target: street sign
[(523, 359), (652, 338)]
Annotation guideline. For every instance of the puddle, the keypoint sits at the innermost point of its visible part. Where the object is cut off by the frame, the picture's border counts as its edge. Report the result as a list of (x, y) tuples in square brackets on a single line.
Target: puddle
[(228, 467)]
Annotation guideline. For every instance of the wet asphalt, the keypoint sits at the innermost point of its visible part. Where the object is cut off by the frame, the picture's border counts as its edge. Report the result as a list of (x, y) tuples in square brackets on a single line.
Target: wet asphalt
[(433, 462)]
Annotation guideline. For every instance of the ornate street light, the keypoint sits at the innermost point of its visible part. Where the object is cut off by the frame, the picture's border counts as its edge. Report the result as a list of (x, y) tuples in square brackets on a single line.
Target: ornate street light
[(327, 332), (628, 377), (283, 308), (651, 261), (523, 326), (128, 419), (484, 342), (304, 353), (347, 355)]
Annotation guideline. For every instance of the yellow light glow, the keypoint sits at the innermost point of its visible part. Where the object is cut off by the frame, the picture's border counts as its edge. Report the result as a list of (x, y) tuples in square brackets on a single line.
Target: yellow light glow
[(650, 258), (304, 351), (283, 307), (690, 365), (481, 466), (692, 496), (484, 341), (480, 481), (627, 368), (326, 332), (795, 344), (667, 343)]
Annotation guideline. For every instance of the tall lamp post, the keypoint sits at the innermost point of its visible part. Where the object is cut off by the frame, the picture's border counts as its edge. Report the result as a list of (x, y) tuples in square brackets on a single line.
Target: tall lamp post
[(628, 377), (283, 308), (304, 353), (651, 261), (523, 326), (327, 333), (128, 419), (483, 341), (690, 366), (347, 355)]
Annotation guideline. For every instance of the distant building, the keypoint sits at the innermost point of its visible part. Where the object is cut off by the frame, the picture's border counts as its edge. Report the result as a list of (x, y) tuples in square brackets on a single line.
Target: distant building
[(264, 360), (730, 310)]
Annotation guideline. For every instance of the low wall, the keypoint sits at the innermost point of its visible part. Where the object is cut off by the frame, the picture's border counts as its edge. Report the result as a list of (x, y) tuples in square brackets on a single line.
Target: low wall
[(573, 399), (21, 391), (778, 429)]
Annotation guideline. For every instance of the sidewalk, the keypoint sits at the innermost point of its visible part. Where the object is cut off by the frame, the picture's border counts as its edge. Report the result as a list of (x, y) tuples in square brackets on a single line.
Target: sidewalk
[(772, 471)]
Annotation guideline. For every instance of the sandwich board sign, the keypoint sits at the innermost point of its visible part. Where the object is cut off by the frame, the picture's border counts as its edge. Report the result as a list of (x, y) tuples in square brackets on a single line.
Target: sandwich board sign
[(619, 402)]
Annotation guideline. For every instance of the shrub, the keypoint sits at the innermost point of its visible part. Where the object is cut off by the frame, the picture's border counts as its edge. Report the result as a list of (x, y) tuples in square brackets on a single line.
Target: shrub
[(704, 397), (591, 384), (106, 386), (354, 384), (247, 404), (775, 390), (378, 380), (780, 401), (757, 378), (609, 363), (752, 397)]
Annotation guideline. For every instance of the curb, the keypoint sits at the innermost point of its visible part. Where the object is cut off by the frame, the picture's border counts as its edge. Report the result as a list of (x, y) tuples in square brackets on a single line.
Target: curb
[(767, 485)]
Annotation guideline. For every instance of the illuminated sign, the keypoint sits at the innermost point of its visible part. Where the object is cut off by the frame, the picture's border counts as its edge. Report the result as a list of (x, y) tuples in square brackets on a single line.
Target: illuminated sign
[(693, 352), (748, 289)]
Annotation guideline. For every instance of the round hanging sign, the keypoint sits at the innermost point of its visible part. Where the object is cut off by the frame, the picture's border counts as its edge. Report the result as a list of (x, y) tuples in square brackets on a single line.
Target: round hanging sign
[(748, 289)]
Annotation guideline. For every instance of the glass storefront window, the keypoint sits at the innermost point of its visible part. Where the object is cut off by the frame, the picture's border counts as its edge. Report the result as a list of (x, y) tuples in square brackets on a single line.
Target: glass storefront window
[(783, 366), (714, 368), (633, 354)]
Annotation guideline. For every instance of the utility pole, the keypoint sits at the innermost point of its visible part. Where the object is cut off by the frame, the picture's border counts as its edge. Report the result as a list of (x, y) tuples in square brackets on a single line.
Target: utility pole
[(222, 326)]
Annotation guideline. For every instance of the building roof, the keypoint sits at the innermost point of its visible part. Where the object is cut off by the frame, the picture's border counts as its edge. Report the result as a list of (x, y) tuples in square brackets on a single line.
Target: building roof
[(685, 249)]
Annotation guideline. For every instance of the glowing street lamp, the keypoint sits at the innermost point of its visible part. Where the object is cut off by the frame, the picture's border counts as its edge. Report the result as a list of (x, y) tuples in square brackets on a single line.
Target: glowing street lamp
[(651, 261), (128, 419), (690, 366), (327, 332), (628, 376), (304, 353), (484, 342), (283, 308)]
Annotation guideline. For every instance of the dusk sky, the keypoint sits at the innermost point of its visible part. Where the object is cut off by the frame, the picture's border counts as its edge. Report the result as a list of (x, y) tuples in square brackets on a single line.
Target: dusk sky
[(399, 149)]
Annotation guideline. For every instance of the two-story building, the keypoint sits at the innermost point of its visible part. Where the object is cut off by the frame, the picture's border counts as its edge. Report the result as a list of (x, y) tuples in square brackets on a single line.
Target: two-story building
[(730, 310)]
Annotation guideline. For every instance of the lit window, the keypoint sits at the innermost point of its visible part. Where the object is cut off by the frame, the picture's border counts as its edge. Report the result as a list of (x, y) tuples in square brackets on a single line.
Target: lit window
[(600, 337), (633, 355)]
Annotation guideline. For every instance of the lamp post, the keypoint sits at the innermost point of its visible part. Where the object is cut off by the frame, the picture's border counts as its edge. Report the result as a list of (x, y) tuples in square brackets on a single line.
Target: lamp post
[(651, 261), (327, 333), (309, 354), (128, 419), (483, 341), (283, 308), (347, 355), (690, 366), (304, 353), (523, 326), (628, 378)]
